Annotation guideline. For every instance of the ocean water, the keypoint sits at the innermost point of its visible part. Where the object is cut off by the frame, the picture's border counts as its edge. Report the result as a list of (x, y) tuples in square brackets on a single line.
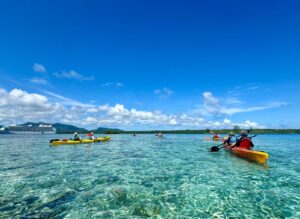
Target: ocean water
[(144, 176)]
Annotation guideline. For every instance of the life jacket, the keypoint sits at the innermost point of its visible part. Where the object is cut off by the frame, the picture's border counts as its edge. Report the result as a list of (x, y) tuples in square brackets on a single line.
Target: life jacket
[(246, 144)]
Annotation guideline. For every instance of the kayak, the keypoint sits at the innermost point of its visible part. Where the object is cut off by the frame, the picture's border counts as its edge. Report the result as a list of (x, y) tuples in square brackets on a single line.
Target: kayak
[(83, 141), (251, 155), (220, 138)]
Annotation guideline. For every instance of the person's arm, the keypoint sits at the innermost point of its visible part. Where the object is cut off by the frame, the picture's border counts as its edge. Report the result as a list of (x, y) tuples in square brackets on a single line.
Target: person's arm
[(251, 144), (227, 141), (238, 142)]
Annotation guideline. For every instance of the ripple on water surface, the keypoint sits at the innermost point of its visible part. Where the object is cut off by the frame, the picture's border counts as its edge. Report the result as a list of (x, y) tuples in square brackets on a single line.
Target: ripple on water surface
[(144, 176)]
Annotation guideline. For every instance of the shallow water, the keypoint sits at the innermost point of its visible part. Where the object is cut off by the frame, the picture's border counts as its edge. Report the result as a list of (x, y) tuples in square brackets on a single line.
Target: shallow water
[(143, 176)]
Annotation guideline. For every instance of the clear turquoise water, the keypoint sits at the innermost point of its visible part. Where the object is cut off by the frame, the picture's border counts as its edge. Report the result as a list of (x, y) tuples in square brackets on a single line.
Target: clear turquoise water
[(143, 176)]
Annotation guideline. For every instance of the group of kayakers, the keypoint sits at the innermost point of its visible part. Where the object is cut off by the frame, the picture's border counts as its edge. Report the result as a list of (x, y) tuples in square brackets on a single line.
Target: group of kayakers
[(92, 137), (159, 134), (241, 141)]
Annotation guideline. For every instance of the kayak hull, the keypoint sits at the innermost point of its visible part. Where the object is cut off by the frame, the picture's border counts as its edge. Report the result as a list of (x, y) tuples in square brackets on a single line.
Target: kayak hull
[(251, 155), (83, 141)]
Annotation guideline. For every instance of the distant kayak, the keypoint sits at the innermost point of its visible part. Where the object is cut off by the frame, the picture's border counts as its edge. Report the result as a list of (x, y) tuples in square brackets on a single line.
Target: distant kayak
[(251, 155), (82, 141), (219, 138)]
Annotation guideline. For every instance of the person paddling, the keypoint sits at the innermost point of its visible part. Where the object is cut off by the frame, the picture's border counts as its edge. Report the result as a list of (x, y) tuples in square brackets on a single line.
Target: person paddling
[(216, 137), (244, 141), (91, 136), (230, 140), (76, 137)]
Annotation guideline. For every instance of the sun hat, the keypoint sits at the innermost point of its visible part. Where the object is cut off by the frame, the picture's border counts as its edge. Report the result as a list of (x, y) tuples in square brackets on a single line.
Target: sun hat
[(244, 133)]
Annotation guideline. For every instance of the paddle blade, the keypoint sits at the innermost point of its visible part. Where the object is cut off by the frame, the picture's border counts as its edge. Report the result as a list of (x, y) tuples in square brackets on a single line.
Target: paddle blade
[(214, 149)]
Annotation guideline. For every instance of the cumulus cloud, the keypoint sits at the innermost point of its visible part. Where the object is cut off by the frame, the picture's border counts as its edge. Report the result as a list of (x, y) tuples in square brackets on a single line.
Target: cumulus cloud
[(120, 115), (38, 68), (163, 93), (73, 75), (38, 81), (17, 106)]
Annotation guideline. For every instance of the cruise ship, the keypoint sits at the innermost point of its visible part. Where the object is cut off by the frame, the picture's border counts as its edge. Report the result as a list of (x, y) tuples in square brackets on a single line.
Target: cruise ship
[(32, 129)]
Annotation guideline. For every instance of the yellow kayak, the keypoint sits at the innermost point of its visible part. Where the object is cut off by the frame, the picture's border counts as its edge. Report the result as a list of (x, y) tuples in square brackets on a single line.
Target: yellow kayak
[(252, 155), (82, 141)]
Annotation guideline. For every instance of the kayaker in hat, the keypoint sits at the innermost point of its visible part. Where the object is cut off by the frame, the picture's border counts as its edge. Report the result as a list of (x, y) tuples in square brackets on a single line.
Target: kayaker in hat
[(229, 141), (76, 137), (244, 142)]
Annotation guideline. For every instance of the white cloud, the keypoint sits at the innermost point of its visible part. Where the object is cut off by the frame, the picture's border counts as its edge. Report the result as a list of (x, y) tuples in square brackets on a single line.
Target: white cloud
[(112, 84), (231, 111), (25, 99), (212, 106), (226, 121), (72, 75), (211, 103), (92, 110), (18, 106), (233, 100), (38, 68), (38, 81), (90, 119), (163, 93), (227, 124), (210, 100), (66, 101)]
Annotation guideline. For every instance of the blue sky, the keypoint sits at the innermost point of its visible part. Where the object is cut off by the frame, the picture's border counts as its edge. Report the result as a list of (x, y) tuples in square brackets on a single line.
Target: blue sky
[(151, 64)]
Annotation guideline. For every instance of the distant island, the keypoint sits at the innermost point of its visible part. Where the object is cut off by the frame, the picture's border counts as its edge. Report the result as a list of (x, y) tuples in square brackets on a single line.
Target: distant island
[(50, 128), (59, 128)]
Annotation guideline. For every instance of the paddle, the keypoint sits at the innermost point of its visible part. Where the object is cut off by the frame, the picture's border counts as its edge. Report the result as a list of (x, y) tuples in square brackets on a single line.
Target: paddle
[(216, 148), (253, 136)]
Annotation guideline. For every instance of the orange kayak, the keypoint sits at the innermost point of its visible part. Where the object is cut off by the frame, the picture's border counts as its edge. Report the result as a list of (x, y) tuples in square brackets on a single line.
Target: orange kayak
[(256, 156)]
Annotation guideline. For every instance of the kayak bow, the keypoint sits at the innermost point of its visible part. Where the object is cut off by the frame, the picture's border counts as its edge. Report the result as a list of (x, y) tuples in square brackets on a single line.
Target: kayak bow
[(251, 155)]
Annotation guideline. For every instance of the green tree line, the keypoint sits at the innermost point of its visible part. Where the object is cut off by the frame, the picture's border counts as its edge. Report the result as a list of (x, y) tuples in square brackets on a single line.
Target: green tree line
[(208, 131)]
